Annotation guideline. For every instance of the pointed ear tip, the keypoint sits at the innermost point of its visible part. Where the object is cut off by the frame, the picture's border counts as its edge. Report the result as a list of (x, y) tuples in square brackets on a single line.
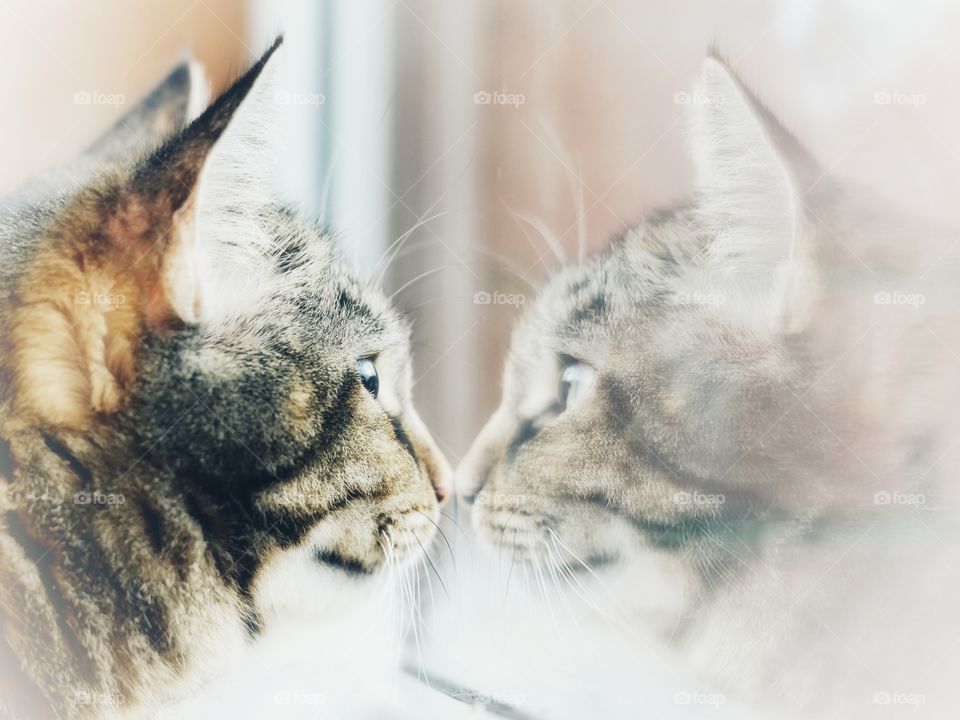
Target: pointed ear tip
[(716, 67), (187, 63), (194, 66), (189, 72), (274, 46), (190, 75), (271, 58), (715, 52)]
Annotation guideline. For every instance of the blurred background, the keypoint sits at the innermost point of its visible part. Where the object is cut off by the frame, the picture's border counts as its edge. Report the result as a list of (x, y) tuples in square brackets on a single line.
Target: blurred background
[(461, 150)]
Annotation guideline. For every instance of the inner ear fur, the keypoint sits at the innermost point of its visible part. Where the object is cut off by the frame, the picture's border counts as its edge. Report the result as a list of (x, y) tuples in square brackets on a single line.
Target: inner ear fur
[(83, 304), (116, 265)]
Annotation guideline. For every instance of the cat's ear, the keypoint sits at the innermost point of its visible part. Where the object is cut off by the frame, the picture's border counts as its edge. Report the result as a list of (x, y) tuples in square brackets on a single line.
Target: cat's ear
[(216, 169), (180, 97), (122, 261), (751, 174)]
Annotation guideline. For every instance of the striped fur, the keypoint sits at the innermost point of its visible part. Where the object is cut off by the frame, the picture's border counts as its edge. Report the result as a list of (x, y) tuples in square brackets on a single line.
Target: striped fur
[(182, 417)]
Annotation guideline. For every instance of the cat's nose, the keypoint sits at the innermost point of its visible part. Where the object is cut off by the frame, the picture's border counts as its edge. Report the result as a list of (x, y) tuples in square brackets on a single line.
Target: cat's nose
[(433, 462), (436, 467), (471, 474), (468, 487), (442, 480)]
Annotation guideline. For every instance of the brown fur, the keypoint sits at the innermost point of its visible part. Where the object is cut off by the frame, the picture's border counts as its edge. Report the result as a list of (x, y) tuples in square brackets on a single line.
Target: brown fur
[(173, 482), (83, 305)]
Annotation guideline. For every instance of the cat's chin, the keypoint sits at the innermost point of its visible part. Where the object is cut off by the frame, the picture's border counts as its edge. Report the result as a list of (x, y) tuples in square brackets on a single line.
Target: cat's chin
[(594, 562), (319, 577), (296, 584)]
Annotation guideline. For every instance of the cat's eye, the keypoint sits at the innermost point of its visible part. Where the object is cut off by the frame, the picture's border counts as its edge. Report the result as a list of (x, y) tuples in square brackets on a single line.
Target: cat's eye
[(575, 381), (368, 375)]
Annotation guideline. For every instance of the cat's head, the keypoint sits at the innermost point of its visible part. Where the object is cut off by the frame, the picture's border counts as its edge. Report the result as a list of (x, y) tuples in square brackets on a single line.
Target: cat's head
[(164, 295), (659, 389)]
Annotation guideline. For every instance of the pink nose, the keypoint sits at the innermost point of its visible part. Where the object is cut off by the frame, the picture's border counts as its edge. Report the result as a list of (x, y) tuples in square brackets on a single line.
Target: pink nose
[(443, 487)]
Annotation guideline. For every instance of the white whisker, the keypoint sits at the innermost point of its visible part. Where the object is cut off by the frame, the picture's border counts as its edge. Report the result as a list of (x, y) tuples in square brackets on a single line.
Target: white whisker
[(418, 278), (548, 236), (397, 245)]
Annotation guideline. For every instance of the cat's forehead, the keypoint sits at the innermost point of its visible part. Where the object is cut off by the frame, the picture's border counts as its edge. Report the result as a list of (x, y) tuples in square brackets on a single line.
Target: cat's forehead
[(335, 305), (307, 296), (616, 293), (573, 313), (574, 294), (361, 309)]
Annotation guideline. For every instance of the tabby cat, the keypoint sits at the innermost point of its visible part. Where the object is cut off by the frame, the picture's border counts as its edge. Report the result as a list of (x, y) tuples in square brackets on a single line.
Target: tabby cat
[(736, 416), (206, 418)]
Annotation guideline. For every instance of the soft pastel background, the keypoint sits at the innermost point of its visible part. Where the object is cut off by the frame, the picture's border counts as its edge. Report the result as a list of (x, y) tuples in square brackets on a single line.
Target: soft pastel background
[(584, 133)]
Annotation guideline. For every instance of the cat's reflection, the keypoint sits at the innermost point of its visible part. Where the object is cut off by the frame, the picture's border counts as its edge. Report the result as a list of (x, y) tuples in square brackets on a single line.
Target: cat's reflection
[(743, 411)]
